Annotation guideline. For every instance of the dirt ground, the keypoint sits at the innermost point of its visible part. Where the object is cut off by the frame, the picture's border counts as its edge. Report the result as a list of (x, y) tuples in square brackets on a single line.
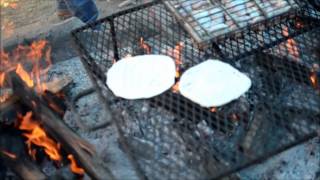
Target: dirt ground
[(24, 16), (26, 12)]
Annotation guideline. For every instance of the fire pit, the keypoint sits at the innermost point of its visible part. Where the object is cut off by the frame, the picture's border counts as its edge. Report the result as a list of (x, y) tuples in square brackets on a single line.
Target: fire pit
[(170, 137), (31, 112)]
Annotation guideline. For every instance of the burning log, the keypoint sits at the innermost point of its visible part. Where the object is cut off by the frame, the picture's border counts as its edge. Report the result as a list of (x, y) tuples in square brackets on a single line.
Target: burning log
[(8, 104), (14, 157), (21, 167), (53, 87), (72, 143), (63, 173), (58, 85)]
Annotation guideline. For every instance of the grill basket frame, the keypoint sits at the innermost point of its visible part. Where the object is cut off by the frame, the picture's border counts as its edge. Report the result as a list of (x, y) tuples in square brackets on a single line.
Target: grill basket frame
[(115, 36)]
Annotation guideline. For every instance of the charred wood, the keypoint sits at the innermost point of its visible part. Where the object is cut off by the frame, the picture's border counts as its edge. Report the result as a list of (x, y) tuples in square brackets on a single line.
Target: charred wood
[(15, 158), (10, 107), (72, 143)]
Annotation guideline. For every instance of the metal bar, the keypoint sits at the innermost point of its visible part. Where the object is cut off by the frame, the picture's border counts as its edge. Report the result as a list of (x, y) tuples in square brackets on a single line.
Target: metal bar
[(230, 47), (227, 12), (260, 8), (289, 3), (184, 8), (180, 19), (114, 39), (107, 109)]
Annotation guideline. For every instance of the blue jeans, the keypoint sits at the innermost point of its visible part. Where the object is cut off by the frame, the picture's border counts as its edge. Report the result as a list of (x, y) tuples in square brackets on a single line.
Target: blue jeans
[(86, 10)]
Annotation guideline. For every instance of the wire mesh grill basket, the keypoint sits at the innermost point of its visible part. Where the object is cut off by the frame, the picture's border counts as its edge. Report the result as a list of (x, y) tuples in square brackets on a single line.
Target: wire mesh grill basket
[(207, 19), (169, 136)]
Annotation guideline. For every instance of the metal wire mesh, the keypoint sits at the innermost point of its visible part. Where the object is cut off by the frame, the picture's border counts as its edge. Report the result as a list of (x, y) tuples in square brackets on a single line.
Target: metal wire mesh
[(206, 19), (170, 137)]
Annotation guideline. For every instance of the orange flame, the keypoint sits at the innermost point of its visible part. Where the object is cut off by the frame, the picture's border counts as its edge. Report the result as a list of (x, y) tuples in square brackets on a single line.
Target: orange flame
[(213, 109), (234, 117), (291, 44), (24, 76), (35, 55), (175, 88), (2, 78), (37, 136), (299, 24), (38, 53), (74, 167), (314, 77), (4, 59), (176, 53), (145, 46), (9, 154)]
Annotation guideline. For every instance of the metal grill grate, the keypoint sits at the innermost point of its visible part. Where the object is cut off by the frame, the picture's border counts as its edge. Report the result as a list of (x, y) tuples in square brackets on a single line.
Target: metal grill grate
[(170, 137), (207, 19)]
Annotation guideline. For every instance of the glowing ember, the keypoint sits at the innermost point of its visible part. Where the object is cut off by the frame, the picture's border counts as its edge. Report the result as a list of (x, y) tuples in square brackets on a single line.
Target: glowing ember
[(176, 53), (299, 24), (2, 78), (177, 73), (291, 44), (145, 46), (9, 154), (74, 167), (213, 109), (314, 77), (55, 108), (24, 76), (175, 88), (4, 97), (234, 117), (37, 136)]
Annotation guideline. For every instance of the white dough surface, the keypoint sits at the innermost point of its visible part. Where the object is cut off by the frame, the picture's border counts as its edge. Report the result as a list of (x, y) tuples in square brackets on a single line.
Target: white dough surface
[(213, 83), (141, 77)]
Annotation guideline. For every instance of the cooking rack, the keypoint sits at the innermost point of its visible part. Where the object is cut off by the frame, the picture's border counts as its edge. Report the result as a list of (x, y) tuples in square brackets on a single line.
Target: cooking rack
[(207, 19), (170, 137)]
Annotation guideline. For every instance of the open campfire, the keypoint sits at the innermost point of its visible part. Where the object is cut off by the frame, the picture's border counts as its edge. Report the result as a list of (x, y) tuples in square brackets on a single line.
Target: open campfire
[(33, 107), (265, 55)]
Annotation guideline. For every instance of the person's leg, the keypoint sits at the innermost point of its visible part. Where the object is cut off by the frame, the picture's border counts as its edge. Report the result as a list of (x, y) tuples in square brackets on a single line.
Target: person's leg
[(63, 10), (86, 10)]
